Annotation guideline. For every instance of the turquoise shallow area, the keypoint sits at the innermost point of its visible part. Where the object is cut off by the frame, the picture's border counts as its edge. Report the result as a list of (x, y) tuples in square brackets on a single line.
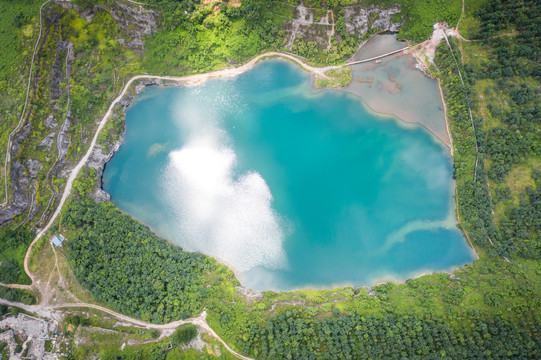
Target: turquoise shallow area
[(291, 189)]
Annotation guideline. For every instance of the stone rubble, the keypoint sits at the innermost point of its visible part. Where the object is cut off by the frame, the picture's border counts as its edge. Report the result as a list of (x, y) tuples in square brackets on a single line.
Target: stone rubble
[(33, 331)]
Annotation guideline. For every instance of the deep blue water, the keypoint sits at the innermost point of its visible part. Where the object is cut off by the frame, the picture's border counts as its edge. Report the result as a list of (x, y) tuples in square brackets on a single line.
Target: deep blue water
[(293, 190)]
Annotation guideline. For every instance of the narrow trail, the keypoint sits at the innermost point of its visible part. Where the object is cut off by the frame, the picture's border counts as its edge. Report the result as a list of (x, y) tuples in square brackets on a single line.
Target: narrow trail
[(329, 45), (458, 35), (469, 110), (29, 212), (21, 120), (46, 291), (445, 117), (63, 126), (516, 32), (469, 107)]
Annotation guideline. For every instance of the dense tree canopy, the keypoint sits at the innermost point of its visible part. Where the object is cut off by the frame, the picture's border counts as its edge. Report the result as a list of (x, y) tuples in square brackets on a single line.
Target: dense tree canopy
[(512, 71), (128, 267), (13, 245), (293, 336)]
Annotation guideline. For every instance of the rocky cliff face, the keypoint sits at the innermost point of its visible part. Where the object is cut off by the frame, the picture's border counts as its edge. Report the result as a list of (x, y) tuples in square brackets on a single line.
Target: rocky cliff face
[(103, 153), (24, 172), (362, 19), (21, 183)]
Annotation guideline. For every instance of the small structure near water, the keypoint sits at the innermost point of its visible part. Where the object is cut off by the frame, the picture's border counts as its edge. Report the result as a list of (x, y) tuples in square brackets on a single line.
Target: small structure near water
[(57, 240)]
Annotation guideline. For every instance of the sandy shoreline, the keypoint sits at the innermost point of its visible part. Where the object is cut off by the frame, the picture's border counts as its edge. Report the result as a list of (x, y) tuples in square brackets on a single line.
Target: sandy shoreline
[(196, 79)]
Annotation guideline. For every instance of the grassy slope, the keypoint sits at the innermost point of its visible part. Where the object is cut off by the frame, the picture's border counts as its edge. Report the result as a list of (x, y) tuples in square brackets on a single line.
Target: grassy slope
[(337, 78)]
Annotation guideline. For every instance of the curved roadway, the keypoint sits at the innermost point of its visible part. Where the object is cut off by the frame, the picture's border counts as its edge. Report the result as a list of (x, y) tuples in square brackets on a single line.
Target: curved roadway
[(188, 80)]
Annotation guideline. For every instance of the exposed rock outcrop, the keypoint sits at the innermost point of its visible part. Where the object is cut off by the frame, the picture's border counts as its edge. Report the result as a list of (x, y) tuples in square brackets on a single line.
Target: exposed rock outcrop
[(48, 141), (58, 67), (103, 153), (97, 160), (50, 122), (361, 19), (20, 182)]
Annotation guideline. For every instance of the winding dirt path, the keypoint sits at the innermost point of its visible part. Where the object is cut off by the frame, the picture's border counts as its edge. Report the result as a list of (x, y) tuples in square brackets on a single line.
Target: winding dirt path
[(17, 286), (331, 35), (60, 130), (516, 32), (199, 321)]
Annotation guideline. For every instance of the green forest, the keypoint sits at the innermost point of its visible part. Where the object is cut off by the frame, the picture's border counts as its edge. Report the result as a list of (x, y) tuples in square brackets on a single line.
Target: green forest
[(488, 309), (126, 266)]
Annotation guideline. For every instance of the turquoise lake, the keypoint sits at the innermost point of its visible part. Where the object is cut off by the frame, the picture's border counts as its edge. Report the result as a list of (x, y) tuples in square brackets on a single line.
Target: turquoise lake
[(292, 189)]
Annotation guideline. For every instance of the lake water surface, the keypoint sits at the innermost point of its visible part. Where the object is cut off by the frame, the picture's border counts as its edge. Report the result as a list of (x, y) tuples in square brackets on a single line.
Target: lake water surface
[(290, 188)]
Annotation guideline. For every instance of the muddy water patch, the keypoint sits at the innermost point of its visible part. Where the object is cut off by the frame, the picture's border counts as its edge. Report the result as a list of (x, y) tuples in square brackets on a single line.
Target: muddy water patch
[(393, 85)]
